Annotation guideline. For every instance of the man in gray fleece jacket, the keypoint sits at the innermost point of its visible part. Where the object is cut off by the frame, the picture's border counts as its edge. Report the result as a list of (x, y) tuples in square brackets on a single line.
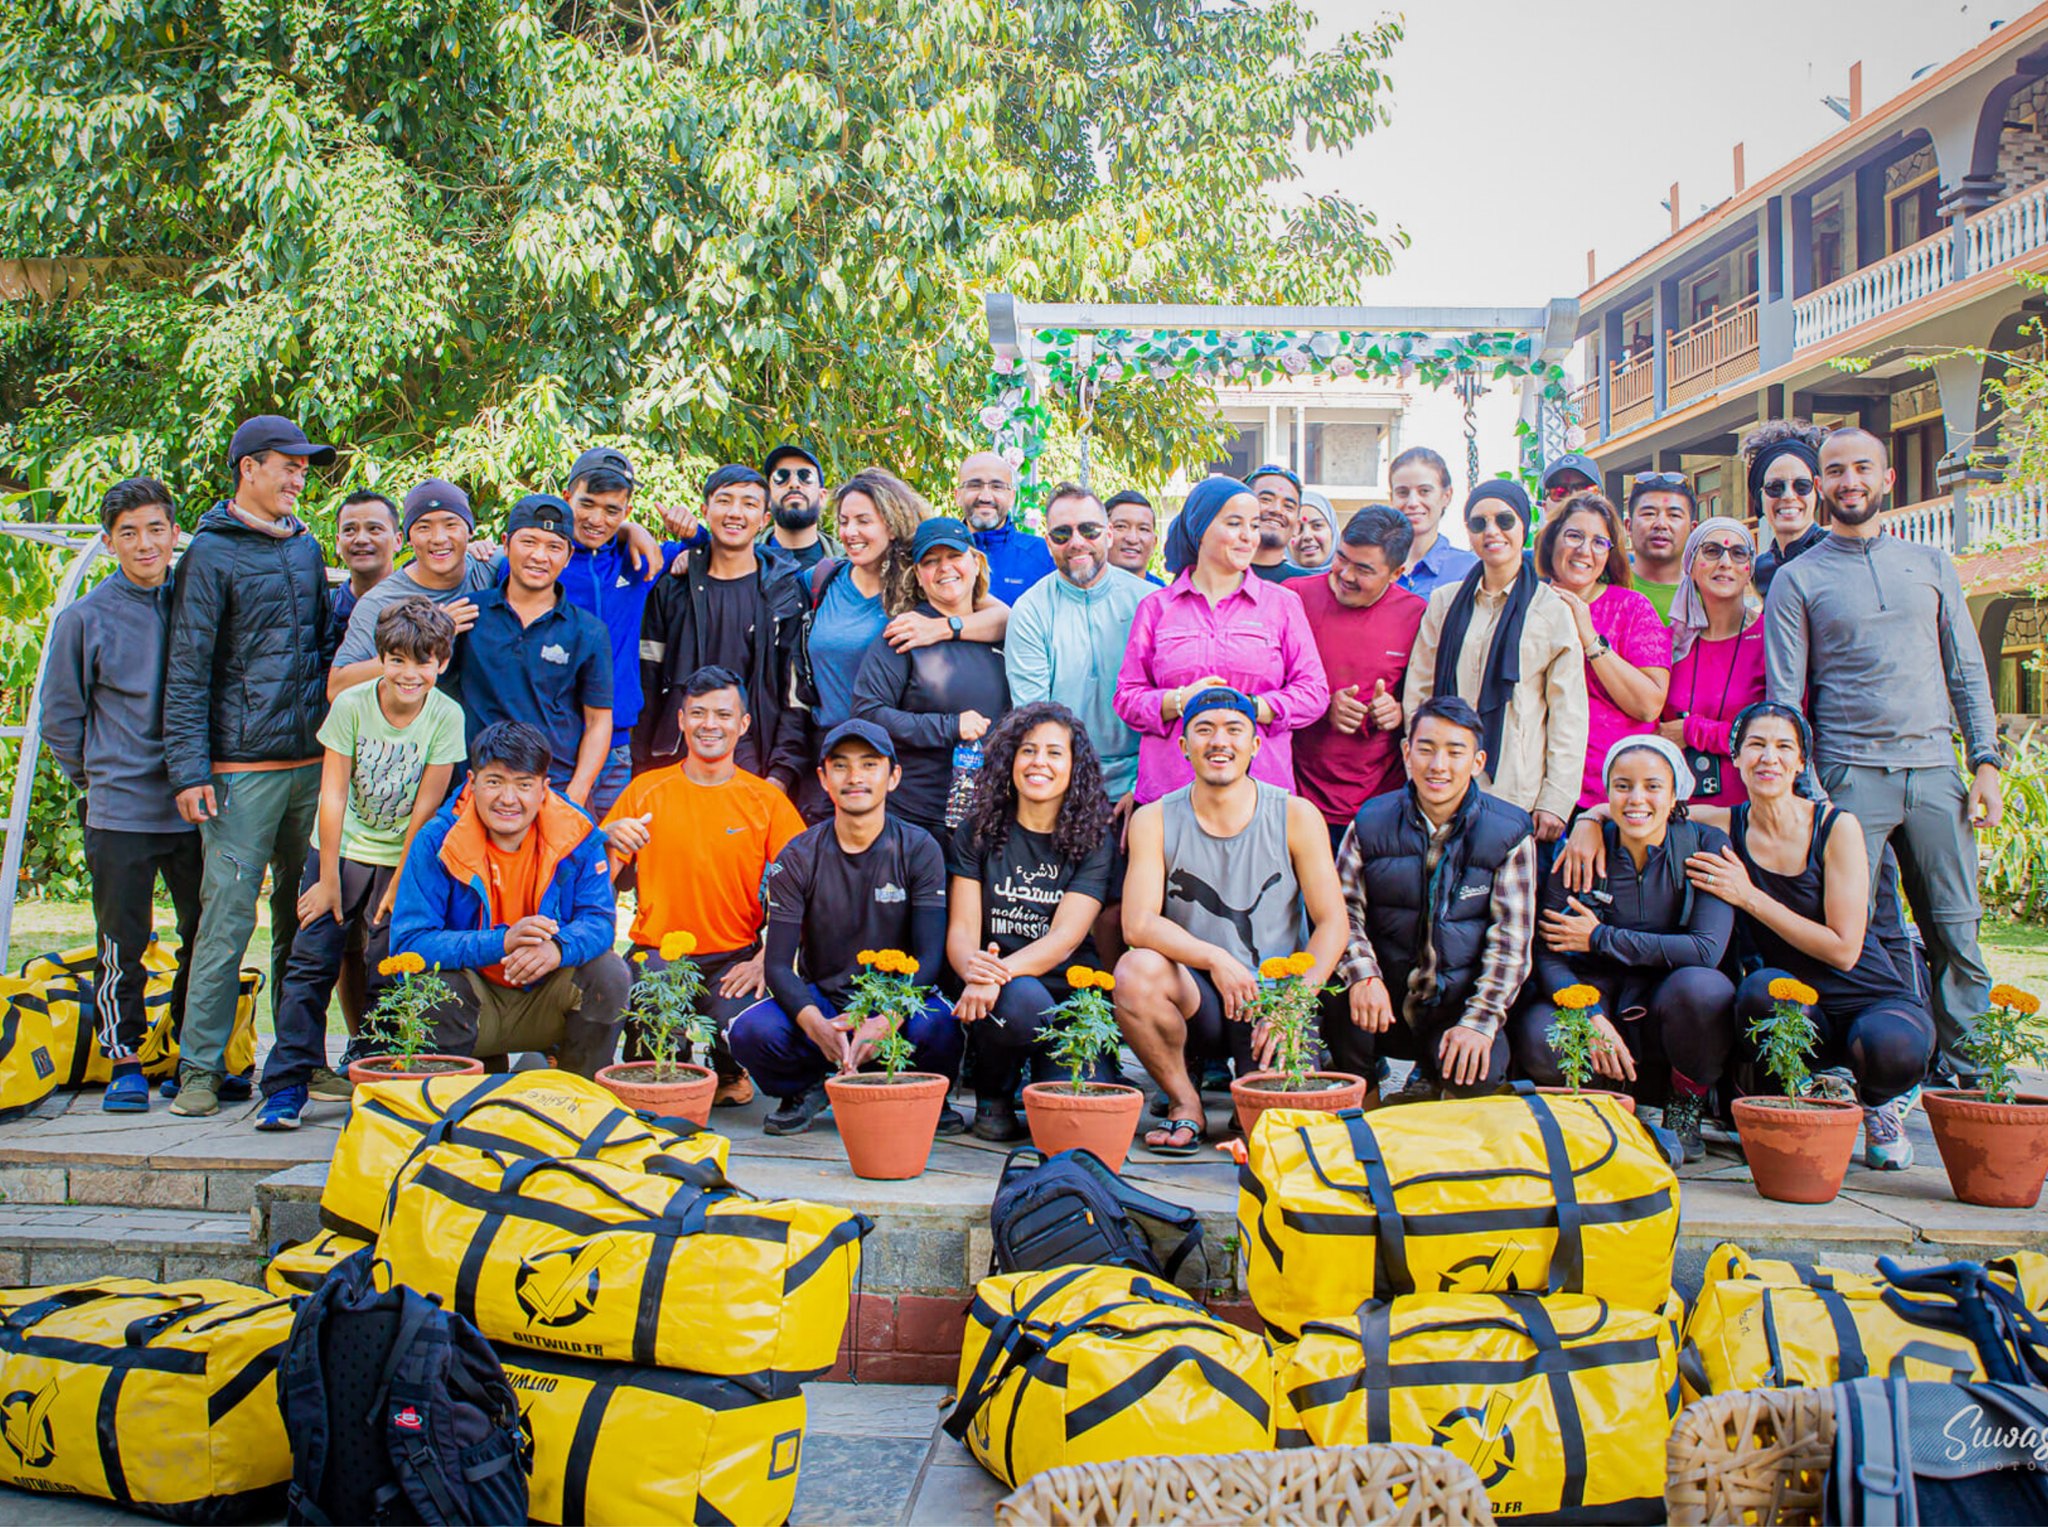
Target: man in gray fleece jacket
[(1873, 635), (103, 694)]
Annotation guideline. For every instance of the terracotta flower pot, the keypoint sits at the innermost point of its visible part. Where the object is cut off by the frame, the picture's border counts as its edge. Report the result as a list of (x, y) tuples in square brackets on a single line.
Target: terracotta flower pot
[(1102, 1117), (396, 1068), (686, 1094), (1323, 1092), (887, 1127), (1798, 1148), (1996, 1154), (1591, 1092)]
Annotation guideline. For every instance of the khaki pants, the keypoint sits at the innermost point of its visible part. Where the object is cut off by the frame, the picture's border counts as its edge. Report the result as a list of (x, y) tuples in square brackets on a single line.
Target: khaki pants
[(573, 1013)]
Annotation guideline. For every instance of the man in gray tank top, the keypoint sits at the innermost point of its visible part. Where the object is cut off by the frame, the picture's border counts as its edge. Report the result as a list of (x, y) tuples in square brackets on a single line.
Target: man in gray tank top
[(1221, 872)]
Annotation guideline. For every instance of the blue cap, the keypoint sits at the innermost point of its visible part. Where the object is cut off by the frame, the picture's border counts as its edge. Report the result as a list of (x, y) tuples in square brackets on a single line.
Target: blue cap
[(1274, 469), (861, 731), (1221, 697), (273, 432), (941, 531)]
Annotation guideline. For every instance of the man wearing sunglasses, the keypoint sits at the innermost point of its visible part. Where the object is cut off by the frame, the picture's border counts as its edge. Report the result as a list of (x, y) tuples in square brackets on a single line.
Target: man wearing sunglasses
[(1661, 508), (796, 500), (986, 494), (1567, 475)]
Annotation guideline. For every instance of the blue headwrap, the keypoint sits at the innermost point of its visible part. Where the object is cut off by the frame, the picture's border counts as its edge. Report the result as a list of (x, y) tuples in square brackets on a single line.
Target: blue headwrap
[(1204, 502)]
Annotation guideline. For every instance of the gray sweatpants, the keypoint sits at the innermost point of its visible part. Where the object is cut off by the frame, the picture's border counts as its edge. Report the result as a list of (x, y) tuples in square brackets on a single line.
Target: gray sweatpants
[(1922, 814)]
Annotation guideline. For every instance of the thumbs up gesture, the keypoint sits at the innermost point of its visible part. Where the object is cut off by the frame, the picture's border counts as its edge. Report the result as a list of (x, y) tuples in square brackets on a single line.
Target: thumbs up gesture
[(1385, 708), (1347, 711)]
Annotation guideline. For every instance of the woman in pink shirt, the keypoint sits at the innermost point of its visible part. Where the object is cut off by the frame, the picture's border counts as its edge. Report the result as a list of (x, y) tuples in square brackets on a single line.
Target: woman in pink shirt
[(1717, 646), (1215, 624), (1582, 551)]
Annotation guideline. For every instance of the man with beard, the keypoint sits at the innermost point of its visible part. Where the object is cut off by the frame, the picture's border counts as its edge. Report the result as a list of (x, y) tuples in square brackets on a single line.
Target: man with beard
[(1872, 635), (1279, 493), (796, 498), (1661, 508), (986, 494)]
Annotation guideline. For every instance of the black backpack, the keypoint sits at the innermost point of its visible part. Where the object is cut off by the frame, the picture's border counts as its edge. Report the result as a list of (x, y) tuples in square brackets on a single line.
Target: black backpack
[(1908, 1452), (398, 1411), (1056, 1211)]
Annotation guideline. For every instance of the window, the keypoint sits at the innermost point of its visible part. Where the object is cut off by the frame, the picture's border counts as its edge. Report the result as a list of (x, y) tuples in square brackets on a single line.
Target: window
[(1911, 212), (1241, 455), (1709, 488), (1704, 295), (1827, 244), (1915, 451)]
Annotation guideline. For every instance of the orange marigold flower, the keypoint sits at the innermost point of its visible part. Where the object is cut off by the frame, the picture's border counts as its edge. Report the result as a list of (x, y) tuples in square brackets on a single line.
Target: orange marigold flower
[(865, 958), (1787, 989), (407, 964), (1079, 976), (1301, 962), (1576, 996), (639, 956), (1273, 969), (674, 946), (2025, 1003)]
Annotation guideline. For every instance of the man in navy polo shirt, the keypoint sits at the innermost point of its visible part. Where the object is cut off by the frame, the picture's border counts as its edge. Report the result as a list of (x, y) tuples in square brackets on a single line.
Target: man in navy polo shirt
[(986, 495), (532, 656)]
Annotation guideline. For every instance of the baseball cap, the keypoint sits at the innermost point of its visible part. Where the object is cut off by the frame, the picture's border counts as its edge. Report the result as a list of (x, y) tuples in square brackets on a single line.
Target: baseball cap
[(1221, 697), (943, 531), (433, 496), (859, 731), (1573, 462), (602, 458), (791, 448), (273, 432), (1274, 469), (539, 511)]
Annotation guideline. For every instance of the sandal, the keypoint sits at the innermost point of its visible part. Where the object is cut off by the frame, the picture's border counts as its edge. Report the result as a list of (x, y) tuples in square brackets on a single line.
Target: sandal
[(1198, 1136)]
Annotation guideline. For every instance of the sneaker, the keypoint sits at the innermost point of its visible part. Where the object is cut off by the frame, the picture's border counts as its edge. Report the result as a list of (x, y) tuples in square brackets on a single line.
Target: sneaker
[(1885, 1145), (198, 1095), (282, 1108), (951, 1121), (1649, 1115), (733, 1092), (329, 1086), (1682, 1118), (1416, 1088), (127, 1091), (1835, 1084), (995, 1119), (361, 1047), (793, 1116), (239, 1088)]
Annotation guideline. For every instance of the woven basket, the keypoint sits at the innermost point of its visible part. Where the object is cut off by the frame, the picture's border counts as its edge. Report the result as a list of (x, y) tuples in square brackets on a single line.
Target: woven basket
[(1754, 1455), (1392, 1483)]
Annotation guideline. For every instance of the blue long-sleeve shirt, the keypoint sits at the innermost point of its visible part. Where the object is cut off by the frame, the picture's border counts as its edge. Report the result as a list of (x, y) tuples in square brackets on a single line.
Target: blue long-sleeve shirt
[(1017, 559)]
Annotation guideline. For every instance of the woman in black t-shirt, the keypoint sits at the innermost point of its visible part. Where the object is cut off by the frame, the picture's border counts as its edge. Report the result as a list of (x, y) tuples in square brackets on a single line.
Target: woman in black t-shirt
[(1030, 869)]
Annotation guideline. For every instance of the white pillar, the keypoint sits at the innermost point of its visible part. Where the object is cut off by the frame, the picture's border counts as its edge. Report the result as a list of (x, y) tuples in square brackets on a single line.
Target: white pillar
[(1300, 460)]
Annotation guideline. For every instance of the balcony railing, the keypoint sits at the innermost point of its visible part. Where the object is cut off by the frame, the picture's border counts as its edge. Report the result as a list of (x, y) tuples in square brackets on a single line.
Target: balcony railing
[(1719, 348), (1586, 400), (1998, 518), (1629, 392)]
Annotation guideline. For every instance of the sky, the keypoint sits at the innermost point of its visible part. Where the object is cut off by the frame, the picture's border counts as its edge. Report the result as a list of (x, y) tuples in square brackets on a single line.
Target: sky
[(1525, 132)]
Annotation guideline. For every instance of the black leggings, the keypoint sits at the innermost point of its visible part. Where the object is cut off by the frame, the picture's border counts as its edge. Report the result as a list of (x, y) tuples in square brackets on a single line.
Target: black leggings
[(1007, 1039), (1886, 1046), (1687, 1027), (1211, 1036), (1354, 1050)]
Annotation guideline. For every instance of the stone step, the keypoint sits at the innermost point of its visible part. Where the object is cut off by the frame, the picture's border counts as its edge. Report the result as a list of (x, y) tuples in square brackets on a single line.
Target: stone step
[(65, 1243), (137, 1182)]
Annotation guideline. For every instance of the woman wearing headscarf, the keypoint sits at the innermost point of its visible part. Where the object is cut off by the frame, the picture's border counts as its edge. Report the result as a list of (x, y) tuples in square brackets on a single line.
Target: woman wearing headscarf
[(1216, 626), (1316, 542), (1717, 651), (1502, 640), (1784, 467), (1647, 942)]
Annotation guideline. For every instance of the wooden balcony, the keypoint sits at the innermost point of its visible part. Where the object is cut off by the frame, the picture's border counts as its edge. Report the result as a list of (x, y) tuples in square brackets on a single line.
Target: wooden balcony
[(1720, 348), (1586, 402), (1629, 392)]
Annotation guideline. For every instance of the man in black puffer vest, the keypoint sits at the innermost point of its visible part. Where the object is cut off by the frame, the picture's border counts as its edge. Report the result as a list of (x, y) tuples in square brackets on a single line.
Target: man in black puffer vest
[(252, 633), (1440, 884)]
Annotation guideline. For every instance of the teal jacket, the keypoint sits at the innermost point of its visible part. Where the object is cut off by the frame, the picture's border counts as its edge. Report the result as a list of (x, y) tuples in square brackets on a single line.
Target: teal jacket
[(1066, 644)]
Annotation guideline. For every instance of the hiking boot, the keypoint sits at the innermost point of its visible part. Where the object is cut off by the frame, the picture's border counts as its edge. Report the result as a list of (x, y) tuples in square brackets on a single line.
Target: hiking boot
[(1885, 1145), (793, 1116), (1682, 1118), (329, 1086), (127, 1090), (733, 1092), (951, 1121), (282, 1108), (198, 1094), (995, 1119)]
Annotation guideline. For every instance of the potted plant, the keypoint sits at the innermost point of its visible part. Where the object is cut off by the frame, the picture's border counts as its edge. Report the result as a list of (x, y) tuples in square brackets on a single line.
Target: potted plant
[(1096, 1116), (662, 1009), (1993, 1139), (400, 1029), (887, 1118), (1798, 1146), (1574, 1036), (1286, 1005)]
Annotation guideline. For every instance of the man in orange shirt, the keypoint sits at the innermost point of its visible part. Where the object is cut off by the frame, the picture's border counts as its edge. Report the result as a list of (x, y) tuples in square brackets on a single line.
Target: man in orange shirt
[(701, 835)]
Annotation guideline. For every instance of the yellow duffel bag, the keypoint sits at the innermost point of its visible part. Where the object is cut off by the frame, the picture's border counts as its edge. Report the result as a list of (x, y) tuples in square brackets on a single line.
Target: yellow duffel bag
[(1520, 1191), (1099, 1364), (28, 1048), (301, 1268), (523, 1113), (66, 982), (1560, 1402), (157, 1396), (672, 1267), (616, 1445), (1764, 1324)]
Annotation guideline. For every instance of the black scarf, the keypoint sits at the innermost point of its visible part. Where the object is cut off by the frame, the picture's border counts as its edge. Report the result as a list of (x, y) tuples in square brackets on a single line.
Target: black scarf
[(1503, 658)]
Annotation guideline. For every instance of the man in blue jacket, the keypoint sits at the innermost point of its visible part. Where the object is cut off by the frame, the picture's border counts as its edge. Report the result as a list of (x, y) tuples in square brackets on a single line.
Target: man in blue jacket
[(508, 894), (986, 495)]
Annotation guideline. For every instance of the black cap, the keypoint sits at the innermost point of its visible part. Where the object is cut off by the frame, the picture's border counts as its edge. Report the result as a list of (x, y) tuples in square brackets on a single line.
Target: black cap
[(942, 531), (539, 511), (791, 448), (1573, 462), (273, 432), (602, 458), (434, 496), (863, 731)]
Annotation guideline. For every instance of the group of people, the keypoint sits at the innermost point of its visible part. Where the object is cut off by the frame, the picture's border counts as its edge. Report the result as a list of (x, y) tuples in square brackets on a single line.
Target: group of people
[(1590, 749)]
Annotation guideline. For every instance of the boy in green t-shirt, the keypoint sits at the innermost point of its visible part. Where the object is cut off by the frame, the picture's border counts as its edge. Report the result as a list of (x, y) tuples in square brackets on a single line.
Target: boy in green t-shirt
[(392, 744)]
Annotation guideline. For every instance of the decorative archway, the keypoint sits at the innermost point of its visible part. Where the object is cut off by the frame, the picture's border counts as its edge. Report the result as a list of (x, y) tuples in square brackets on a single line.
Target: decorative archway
[(1042, 351)]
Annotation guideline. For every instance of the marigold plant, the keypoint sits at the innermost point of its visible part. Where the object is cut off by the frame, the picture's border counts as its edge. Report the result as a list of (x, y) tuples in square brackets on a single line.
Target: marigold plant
[(400, 1024), (663, 1007), (2005, 1039), (1082, 1028), (1785, 1036), (887, 989), (1286, 1004), (1572, 1033)]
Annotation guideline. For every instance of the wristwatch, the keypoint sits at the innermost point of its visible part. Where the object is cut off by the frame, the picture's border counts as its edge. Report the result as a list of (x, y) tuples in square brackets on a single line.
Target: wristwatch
[(953, 624), (1600, 648)]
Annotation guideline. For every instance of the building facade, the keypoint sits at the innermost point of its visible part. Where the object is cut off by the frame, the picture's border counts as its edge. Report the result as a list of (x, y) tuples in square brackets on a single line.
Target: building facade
[(1339, 434)]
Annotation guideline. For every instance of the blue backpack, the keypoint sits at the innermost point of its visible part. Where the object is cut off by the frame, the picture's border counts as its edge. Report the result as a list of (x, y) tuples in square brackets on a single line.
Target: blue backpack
[(398, 1411)]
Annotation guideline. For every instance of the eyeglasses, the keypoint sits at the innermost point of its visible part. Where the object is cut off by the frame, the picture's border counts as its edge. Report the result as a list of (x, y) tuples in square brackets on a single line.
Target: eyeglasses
[(1508, 521), (1600, 545), (1659, 479), (1738, 552), (794, 474), (986, 485), (1087, 530), (1798, 487)]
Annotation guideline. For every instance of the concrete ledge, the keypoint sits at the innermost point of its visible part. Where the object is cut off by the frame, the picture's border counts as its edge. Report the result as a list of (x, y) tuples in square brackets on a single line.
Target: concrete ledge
[(69, 1242)]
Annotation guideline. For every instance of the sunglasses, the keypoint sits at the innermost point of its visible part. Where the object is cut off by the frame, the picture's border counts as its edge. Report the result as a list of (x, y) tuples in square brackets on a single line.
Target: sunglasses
[(1798, 487), (1087, 530), (794, 474), (1659, 479), (1508, 521), (1557, 492), (1600, 545), (1728, 551)]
